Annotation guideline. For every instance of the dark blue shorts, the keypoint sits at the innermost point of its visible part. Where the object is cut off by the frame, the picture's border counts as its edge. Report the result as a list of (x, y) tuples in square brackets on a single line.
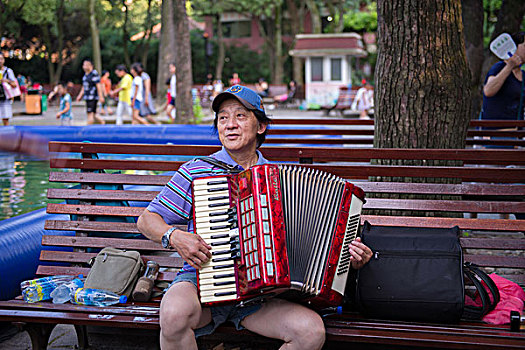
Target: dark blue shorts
[(219, 314)]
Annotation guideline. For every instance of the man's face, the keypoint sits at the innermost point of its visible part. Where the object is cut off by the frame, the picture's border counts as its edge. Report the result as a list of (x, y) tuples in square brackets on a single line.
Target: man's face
[(119, 73), (87, 66), (173, 69), (237, 126)]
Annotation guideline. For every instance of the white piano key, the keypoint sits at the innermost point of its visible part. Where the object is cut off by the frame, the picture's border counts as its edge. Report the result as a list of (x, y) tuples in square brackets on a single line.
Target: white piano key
[(205, 288), (209, 279), (211, 293), (211, 264), (221, 298), (207, 219)]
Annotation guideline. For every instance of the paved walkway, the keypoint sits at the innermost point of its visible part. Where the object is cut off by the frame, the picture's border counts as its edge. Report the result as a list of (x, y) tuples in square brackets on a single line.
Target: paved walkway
[(80, 116)]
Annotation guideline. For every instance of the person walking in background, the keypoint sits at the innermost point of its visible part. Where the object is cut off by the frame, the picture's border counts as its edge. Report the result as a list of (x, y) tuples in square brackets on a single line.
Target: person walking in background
[(218, 86), (262, 88), (235, 80), (22, 81), (137, 93), (147, 107), (171, 108), (91, 89), (504, 89), (364, 100), (124, 92), (64, 114), (7, 76), (287, 97), (106, 85)]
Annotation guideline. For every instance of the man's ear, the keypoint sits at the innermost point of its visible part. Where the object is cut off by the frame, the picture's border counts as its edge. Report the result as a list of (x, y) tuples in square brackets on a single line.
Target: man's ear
[(261, 127)]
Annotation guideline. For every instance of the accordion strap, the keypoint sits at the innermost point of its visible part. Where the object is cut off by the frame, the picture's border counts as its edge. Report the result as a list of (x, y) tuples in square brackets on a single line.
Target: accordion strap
[(230, 169)]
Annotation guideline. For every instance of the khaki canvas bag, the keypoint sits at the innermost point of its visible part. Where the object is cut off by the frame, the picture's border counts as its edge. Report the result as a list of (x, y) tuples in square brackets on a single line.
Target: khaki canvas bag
[(115, 270)]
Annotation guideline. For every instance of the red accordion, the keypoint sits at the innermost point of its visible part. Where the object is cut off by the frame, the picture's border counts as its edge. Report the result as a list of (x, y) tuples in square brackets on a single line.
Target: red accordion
[(276, 228)]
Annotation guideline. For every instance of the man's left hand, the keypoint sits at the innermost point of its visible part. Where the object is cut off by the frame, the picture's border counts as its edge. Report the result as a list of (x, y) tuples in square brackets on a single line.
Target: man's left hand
[(360, 254)]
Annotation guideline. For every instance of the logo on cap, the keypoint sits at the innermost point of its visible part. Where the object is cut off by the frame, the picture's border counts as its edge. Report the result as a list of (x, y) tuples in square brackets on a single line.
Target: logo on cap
[(235, 89)]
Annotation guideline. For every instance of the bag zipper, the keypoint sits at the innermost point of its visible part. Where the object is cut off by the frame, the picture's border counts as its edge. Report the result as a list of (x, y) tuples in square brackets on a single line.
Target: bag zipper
[(422, 254)]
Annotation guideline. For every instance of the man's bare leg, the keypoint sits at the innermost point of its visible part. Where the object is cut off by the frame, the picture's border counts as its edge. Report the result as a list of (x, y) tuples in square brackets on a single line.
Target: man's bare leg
[(180, 314), (298, 326)]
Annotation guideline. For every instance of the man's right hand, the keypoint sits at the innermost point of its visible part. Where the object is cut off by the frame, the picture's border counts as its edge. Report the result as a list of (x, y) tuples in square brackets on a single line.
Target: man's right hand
[(514, 61), (191, 247)]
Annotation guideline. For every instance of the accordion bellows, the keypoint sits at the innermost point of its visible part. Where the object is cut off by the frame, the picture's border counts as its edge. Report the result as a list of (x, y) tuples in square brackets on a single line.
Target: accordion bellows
[(276, 228)]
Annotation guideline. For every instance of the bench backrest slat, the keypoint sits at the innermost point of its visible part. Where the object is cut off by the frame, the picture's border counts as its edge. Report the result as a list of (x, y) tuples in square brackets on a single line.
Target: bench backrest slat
[(486, 174), (464, 224), (99, 178), (275, 153), (99, 195), (48, 270), (78, 257)]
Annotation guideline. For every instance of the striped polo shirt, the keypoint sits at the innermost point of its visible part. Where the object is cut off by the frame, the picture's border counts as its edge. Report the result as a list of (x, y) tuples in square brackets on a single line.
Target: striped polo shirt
[(175, 204)]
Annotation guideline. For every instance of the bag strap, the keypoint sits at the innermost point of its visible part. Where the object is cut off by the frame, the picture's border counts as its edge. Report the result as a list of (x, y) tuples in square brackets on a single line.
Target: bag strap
[(489, 283), (520, 113), (476, 276), (230, 169)]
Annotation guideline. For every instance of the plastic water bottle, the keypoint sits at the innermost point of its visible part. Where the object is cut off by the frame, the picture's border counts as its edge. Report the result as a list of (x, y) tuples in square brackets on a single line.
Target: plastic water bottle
[(40, 289), (63, 293), (97, 297)]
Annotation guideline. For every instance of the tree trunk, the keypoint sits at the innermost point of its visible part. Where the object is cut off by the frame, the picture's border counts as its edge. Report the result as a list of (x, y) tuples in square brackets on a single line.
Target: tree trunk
[(340, 24), (220, 51), (60, 44), (97, 58), (167, 49), (422, 95), (315, 14), (296, 20), (46, 37), (183, 101), (125, 34), (143, 49), (278, 70), (472, 14)]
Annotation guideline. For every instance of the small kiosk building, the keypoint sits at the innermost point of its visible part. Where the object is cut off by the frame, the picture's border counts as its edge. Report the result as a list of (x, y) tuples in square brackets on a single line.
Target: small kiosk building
[(327, 63)]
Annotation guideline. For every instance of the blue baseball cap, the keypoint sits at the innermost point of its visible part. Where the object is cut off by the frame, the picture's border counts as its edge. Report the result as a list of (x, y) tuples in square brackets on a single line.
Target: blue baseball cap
[(247, 97)]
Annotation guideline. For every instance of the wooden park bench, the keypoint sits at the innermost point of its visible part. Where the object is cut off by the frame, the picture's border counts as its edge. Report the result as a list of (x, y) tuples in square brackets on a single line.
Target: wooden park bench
[(495, 243), (344, 101), (341, 131)]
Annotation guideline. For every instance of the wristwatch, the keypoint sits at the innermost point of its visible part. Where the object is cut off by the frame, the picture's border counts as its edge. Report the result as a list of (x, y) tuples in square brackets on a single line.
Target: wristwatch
[(166, 238)]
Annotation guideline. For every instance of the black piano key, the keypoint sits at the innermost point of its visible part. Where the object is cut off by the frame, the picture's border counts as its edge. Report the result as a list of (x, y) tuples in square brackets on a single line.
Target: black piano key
[(226, 258), (213, 205), (224, 235), (219, 227), (217, 189), (217, 182), (220, 252), (219, 213), (218, 198), (223, 283), (220, 243), (224, 275), (216, 267), (221, 294), (213, 221)]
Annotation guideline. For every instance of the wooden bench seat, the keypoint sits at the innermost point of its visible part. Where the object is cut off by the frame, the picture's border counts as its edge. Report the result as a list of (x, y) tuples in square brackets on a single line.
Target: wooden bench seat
[(485, 210), (344, 102), (341, 131)]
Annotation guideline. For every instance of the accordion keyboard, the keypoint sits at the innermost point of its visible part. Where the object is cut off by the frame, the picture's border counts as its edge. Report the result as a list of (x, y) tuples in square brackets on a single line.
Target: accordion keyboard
[(215, 222)]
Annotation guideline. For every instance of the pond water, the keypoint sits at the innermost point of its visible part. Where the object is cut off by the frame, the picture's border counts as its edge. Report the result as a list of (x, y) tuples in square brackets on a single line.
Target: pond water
[(24, 181), (23, 185)]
